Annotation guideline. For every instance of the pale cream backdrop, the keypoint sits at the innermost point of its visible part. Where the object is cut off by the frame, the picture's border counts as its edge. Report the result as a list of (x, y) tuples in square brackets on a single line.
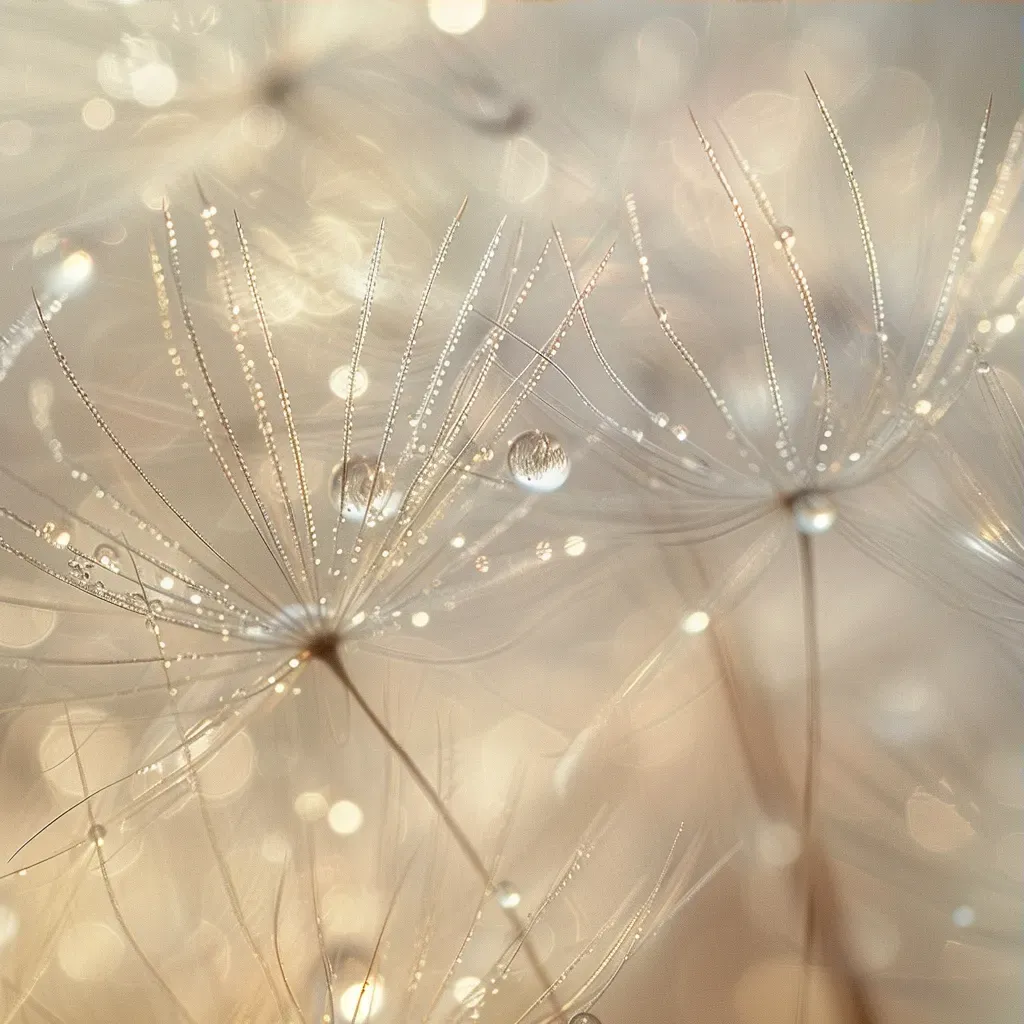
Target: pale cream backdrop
[(563, 666)]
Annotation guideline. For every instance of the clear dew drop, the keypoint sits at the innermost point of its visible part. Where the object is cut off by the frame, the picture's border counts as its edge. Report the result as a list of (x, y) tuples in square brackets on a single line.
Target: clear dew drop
[(982, 368), (106, 555), (681, 433), (359, 484), (584, 1018), (507, 895), (813, 513), (538, 462), (97, 834), (786, 237)]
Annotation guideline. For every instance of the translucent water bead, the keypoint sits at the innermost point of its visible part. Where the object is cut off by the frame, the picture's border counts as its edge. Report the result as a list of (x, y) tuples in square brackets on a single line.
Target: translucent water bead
[(359, 485), (538, 462), (814, 513)]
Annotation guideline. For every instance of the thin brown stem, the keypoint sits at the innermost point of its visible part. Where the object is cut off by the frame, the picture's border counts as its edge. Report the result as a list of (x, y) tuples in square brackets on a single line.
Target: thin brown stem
[(766, 769), (812, 748), (327, 653)]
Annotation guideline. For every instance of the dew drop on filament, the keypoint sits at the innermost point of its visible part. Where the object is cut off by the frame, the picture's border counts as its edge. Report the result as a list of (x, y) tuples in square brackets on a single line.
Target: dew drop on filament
[(538, 462), (106, 556), (584, 1018), (786, 237), (813, 513), (507, 895), (361, 482)]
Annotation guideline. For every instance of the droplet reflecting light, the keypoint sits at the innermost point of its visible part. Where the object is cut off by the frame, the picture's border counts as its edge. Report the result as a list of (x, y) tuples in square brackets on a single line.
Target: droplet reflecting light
[(359, 1002), (456, 17), (340, 381), (813, 513), (345, 817), (538, 462), (364, 487), (696, 622), (508, 896)]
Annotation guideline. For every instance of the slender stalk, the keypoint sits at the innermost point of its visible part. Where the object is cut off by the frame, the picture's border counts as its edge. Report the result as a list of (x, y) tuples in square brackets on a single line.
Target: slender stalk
[(327, 653), (812, 747), (766, 769)]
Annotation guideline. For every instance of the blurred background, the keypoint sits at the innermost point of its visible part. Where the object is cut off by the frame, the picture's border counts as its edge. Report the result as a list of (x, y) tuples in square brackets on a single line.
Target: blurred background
[(566, 704)]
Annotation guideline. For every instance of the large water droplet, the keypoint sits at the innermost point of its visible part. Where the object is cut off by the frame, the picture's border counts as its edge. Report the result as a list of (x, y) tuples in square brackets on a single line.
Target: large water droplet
[(584, 1018), (365, 489), (538, 462), (814, 513)]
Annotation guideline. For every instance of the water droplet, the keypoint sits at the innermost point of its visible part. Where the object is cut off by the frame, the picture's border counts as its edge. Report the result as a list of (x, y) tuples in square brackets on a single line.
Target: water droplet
[(696, 622), (575, 546), (813, 513), (544, 551), (983, 368), (681, 432), (360, 482), (786, 237), (922, 407), (106, 555), (507, 895), (964, 916), (482, 565), (584, 1018), (538, 462), (341, 380), (97, 834)]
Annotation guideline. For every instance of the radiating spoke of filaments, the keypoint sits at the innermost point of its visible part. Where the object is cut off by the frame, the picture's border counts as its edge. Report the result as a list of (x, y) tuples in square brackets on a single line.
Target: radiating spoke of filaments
[(784, 242), (874, 280), (262, 600), (309, 570), (277, 552), (788, 451), (940, 329)]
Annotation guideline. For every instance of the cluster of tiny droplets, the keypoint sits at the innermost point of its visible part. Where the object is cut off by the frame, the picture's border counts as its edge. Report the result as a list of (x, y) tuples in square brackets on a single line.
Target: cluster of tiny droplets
[(16, 338), (378, 472), (679, 431), (922, 378), (255, 388), (426, 408), (425, 477)]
